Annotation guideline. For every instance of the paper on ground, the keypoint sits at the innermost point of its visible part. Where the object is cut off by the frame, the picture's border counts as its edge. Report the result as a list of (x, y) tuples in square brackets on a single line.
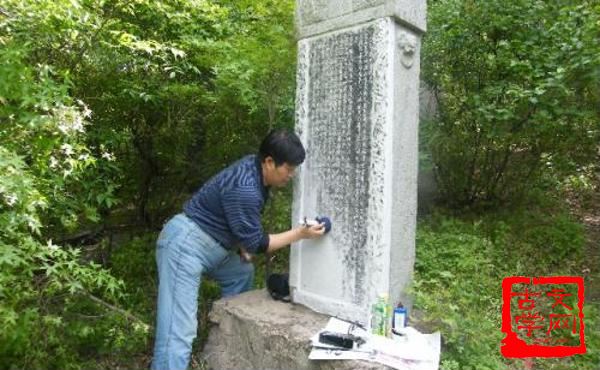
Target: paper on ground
[(412, 351)]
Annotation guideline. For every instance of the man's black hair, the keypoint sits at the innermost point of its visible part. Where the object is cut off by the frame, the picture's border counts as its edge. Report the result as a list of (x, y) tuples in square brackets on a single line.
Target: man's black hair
[(283, 146)]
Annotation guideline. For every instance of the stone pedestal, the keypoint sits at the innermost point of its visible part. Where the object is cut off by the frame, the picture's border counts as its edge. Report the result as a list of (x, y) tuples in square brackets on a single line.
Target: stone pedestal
[(357, 111), (255, 332)]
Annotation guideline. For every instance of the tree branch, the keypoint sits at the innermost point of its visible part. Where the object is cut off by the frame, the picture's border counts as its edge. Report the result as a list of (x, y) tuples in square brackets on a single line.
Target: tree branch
[(116, 309)]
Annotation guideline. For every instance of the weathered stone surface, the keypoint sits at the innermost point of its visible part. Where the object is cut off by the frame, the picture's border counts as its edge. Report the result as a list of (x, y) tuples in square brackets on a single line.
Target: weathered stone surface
[(314, 17), (357, 112), (252, 331)]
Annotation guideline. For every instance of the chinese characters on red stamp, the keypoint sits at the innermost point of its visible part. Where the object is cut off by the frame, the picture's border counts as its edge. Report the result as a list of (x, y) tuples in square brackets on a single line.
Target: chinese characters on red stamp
[(543, 316)]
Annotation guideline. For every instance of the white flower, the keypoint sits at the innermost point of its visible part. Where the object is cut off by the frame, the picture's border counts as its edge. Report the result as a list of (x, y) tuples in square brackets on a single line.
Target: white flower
[(87, 112), (63, 128), (77, 124), (84, 157), (32, 222), (51, 245), (70, 119), (67, 149), (11, 199), (53, 162), (108, 156), (39, 203)]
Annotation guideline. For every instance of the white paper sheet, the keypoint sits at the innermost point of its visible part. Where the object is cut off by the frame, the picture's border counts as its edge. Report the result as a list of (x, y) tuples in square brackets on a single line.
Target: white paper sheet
[(411, 351)]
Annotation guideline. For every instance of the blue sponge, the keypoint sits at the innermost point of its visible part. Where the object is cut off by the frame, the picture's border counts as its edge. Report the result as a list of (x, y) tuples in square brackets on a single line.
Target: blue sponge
[(324, 220)]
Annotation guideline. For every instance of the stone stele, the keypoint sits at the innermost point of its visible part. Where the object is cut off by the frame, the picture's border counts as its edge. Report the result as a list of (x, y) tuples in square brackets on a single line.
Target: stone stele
[(357, 112)]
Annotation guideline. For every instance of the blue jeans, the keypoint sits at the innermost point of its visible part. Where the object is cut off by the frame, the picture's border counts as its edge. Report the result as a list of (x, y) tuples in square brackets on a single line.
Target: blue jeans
[(183, 254)]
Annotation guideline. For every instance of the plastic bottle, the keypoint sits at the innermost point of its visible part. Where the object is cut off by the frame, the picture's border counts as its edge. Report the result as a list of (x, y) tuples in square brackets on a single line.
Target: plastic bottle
[(380, 316), (375, 316), (400, 317), (386, 325)]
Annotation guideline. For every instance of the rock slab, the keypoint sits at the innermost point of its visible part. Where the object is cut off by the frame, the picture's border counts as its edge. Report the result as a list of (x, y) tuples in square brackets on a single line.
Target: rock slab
[(252, 331)]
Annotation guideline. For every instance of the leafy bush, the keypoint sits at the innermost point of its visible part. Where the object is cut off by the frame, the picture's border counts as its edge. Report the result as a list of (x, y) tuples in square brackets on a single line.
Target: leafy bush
[(54, 306), (517, 89), (102, 101), (134, 261), (254, 85)]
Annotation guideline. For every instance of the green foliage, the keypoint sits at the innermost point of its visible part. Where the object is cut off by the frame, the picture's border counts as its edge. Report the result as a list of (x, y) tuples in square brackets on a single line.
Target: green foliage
[(134, 262), (517, 88), (458, 273), (44, 128), (276, 219), (50, 311), (448, 257), (254, 81), (151, 72), (118, 103), (49, 297), (541, 229), (54, 305), (173, 90), (160, 78)]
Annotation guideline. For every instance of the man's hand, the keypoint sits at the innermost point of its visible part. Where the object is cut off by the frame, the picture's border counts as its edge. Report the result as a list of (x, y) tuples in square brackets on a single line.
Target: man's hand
[(245, 256), (277, 241), (312, 232)]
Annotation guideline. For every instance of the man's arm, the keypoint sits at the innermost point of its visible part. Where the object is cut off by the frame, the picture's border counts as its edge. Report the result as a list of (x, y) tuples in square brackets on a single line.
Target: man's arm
[(241, 207), (278, 241)]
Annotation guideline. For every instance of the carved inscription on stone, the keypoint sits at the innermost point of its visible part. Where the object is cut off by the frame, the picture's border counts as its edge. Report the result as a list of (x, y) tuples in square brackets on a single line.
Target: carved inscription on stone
[(339, 137)]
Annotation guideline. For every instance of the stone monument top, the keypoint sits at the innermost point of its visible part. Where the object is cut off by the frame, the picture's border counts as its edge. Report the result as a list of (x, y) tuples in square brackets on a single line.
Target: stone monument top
[(320, 16)]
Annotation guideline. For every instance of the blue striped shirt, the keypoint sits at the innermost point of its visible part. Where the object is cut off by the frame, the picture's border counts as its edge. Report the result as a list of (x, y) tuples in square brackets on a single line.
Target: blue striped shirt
[(228, 206)]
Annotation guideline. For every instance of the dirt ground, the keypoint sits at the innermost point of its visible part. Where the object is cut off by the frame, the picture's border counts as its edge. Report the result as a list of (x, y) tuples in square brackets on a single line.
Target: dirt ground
[(587, 210)]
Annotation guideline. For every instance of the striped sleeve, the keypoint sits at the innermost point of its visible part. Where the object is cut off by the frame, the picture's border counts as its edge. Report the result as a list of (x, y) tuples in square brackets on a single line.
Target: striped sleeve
[(242, 208)]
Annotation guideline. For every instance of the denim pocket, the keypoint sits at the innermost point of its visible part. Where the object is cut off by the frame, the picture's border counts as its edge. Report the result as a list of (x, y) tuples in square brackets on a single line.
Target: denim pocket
[(163, 239), (172, 229), (211, 251)]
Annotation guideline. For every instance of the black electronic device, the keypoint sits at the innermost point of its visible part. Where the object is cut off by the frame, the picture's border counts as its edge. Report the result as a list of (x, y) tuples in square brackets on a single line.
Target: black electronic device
[(338, 339)]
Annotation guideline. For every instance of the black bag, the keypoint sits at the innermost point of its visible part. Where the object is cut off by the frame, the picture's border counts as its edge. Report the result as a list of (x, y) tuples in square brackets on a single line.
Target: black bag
[(278, 286)]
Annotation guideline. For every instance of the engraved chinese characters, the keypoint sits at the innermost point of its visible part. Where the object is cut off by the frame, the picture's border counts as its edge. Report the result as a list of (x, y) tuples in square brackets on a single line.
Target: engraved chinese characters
[(339, 138), (357, 113)]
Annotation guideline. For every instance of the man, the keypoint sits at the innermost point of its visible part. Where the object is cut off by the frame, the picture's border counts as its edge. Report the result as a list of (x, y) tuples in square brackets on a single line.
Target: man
[(222, 216)]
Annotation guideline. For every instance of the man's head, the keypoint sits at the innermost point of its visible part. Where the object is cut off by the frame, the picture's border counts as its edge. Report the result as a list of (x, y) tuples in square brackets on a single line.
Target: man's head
[(280, 153)]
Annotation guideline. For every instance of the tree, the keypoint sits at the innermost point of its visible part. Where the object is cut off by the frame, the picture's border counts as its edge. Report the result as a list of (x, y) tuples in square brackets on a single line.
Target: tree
[(254, 84), (47, 185), (113, 105), (517, 90)]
